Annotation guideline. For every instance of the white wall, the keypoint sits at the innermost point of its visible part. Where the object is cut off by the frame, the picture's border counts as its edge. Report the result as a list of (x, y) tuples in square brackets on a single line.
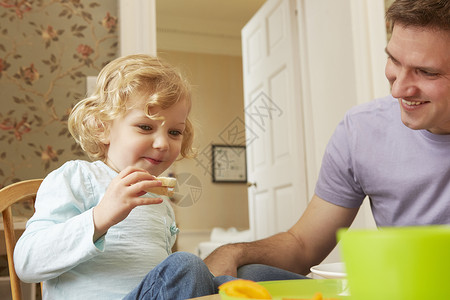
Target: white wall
[(342, 60), (342, 57)]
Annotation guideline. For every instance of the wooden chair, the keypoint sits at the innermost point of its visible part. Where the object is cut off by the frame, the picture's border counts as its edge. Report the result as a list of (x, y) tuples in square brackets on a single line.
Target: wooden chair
[(9, 195)]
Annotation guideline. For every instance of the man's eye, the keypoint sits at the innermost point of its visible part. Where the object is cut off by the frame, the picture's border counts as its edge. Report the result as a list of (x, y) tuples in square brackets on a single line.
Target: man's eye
[(428, 74)]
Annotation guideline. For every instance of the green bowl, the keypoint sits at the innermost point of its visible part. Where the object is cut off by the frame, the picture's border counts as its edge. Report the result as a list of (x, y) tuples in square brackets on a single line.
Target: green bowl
[(303, 288), (402, 263)]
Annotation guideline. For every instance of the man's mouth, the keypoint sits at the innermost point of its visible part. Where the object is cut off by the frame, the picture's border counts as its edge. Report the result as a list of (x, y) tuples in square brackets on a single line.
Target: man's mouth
[(413, 103)]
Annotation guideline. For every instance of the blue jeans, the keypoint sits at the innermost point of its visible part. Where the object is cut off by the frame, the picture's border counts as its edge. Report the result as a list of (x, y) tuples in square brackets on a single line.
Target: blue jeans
[(180, 276), (257, 272), (184, 275)]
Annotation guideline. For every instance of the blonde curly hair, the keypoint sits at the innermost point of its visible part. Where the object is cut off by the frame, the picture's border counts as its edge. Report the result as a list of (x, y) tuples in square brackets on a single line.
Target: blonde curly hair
[(122, 78)]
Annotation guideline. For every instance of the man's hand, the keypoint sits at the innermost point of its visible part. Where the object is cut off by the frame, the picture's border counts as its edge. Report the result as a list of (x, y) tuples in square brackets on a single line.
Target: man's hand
[(222, 261), (121, 197), (306, 244)]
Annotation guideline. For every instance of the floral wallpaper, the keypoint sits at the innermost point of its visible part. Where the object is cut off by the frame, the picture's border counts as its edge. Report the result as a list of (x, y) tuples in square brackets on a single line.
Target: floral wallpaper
[(47, 48)]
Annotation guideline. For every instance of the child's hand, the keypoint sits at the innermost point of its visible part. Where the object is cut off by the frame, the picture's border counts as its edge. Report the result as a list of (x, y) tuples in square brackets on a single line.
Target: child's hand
[(121, 197)]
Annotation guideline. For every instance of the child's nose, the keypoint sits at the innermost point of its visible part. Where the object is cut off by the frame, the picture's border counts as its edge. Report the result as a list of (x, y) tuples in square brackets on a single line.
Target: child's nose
[(161, 142)]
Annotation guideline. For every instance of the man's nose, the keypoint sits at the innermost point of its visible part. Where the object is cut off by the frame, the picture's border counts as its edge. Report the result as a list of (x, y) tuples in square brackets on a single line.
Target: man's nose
[(403, 85)]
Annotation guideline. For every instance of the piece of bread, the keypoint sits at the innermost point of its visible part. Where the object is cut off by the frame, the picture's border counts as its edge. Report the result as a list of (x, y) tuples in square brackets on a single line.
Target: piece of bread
[(168, 183)]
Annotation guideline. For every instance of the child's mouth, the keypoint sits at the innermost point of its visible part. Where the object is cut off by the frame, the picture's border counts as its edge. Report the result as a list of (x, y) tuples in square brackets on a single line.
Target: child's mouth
[(154, 161)]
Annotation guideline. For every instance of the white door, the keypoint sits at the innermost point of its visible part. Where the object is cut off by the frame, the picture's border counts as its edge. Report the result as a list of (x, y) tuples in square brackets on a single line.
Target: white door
[(274, 126)]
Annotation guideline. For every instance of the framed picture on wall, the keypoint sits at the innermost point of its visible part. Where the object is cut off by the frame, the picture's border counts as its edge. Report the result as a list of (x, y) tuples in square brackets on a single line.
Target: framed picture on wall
[(229, 164)]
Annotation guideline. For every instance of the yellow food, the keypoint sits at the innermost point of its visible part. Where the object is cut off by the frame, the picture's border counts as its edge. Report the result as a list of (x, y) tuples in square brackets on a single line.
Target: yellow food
[(168, 183), (160, 190), (317, 296), (245, 289)]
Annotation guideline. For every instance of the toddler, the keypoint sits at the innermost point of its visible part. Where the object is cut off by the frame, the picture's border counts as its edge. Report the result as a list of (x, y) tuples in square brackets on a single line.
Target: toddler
[(96, 233)]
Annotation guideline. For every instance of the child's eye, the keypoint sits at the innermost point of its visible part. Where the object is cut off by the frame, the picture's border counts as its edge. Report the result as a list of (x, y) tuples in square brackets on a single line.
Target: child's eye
[(145, 127), (175, 132)]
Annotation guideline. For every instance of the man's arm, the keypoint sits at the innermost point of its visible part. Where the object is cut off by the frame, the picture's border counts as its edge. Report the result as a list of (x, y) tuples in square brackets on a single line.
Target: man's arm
[(306, 244)]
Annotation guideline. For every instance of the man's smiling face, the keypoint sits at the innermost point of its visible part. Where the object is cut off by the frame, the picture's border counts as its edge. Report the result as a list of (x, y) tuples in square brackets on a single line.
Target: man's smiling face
[(418, 69)]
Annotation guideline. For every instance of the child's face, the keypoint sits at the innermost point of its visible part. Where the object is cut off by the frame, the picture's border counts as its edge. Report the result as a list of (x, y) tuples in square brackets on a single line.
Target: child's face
[(136, 140)]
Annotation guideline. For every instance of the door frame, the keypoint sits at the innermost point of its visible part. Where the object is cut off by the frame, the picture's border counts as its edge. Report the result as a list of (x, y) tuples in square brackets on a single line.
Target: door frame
[(137, 32)]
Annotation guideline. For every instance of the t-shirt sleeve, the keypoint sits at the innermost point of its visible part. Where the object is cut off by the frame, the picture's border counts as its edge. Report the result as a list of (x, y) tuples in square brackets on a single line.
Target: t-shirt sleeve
[(59, 236), (337, 182)]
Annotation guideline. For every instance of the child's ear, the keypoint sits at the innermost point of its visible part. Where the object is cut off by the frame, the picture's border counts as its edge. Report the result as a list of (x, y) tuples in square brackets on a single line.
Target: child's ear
[(104, 138), (104, 133)]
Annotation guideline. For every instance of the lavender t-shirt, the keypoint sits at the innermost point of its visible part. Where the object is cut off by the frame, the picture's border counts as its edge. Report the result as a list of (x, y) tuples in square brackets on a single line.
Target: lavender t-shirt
[(404, 172)]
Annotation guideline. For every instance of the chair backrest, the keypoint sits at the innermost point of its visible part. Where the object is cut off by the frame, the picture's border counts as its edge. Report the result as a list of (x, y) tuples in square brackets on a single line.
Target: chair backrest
[(9, 195)]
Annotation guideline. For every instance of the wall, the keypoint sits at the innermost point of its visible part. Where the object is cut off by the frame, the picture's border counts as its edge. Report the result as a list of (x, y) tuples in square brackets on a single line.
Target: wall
[(343, 66), (47, 48)]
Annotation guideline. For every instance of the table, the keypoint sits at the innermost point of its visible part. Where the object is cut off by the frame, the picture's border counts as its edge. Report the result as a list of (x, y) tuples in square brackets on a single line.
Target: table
[(301, 288), (210, 297)]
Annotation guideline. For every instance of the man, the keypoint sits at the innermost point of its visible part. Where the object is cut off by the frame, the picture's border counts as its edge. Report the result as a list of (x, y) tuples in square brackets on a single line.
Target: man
[(395, 150)]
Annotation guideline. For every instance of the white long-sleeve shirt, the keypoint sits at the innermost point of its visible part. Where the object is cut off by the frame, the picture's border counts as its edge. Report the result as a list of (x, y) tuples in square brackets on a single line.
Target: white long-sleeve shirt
[(57, 246)]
